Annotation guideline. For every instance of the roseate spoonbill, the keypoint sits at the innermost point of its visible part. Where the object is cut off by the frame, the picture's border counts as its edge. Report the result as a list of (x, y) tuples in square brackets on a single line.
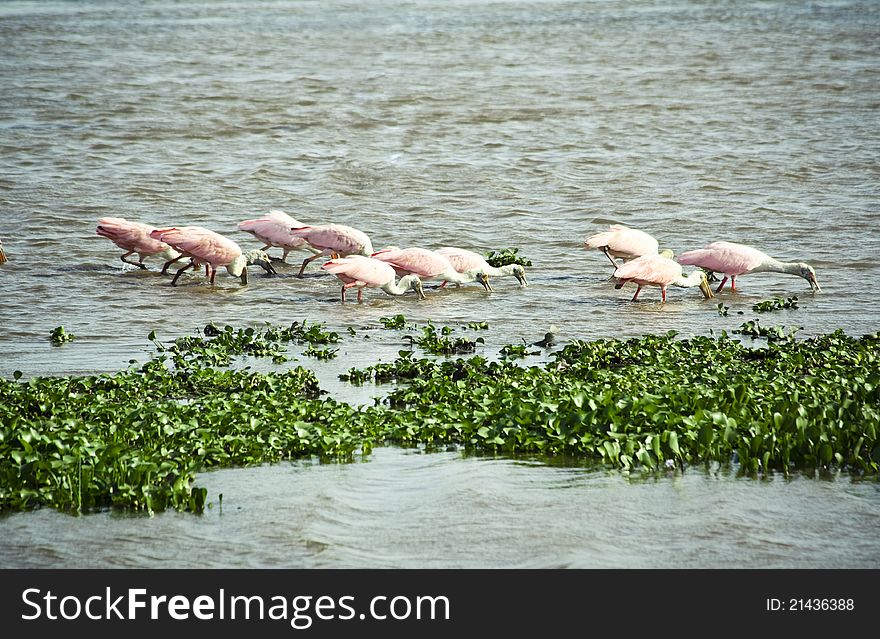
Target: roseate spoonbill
[(357, 271), (659, 270), (625, 243), (273, 229), (206, 247), (734, 260), (465, 261), (428, 265), (2, 254), (134, 237), (328, 239)]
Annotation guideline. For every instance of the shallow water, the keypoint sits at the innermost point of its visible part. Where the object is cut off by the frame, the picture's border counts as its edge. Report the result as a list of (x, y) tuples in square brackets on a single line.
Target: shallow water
[(478, 124)]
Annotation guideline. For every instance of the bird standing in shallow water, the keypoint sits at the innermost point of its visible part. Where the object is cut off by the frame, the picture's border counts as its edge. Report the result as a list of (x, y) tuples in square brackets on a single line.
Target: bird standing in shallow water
[(134, 237), (428, 265), (328, 239), (624, 242), (468, 262), (357, 271), (659, 270), (273, 229), (734, 260), (204, 246)]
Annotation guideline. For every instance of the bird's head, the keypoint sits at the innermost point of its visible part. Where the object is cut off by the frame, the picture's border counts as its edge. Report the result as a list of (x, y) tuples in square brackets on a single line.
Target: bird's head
[(483, 279), (520, 274), (414, 283), (260, 258), (667, 253), (809, 274), (704, 286)]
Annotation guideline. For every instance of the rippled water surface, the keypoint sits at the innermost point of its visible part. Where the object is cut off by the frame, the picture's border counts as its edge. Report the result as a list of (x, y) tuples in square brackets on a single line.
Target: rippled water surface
[(478, 124)]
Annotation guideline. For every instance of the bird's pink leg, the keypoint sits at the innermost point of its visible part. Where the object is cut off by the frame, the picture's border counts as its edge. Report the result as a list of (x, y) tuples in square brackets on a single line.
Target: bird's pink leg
[(360, 295), (638, 290), (733, 282), (443, 284), (720, 286), (140, 264), (343, 292), (662, 293), (179, 272)]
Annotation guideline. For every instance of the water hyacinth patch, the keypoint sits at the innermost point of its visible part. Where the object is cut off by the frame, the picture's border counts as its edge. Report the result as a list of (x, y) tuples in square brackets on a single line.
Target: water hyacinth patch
[(137, 439), (775, 304), (503, 257), (59, 336)]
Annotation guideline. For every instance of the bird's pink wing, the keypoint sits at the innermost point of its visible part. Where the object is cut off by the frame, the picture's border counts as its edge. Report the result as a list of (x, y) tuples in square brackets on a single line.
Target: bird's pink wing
[(273, 231), (624, 240), (131, 236), (462, 260), (336, 237), (652, 269), (370, 271), (422, 262), (200, 243), (724, 257)]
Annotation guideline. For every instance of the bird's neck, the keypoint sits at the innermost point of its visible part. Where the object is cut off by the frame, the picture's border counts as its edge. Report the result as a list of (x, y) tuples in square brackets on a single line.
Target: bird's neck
[(236, 266), (398, 288), (775, 266), (687, 281)]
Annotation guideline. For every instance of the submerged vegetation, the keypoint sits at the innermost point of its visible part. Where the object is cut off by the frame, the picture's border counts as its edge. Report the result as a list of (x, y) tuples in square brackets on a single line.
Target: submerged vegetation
[(136, 439)]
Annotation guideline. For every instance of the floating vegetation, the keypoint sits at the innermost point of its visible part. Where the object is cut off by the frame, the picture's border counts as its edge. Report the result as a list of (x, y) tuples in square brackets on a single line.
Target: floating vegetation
[(59, 336), (137, 438), (442, 344), (478, 326), (775, 304), (320, 353), (722, 309), (505, 257), (516, 350), (772, 333), (396, 322)]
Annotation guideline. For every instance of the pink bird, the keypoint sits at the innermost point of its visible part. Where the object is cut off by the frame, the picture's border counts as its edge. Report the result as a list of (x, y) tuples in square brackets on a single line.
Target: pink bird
[(659, 270), (273, 229), (330, 239), (213, 250), (428, 265), (2, 254), (468, 262), (134, 237), (357, 271), (624, 242), (734, 260)]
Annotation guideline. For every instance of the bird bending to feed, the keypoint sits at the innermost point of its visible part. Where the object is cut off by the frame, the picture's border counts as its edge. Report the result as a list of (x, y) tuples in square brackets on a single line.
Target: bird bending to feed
[(203, 246), (134, 237), (337, 240), (659, 270), (468, 262), (357, 271), (2, 254), (428, 265), (273, 229), (625, 243), (733, 260)]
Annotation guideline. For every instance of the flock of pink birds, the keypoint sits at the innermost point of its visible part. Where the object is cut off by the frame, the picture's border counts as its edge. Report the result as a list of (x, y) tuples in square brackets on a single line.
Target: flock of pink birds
[(352, 258), (396, 271)]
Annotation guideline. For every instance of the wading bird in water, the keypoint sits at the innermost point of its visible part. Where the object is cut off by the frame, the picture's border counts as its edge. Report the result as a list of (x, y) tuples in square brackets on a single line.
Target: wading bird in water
[(206, 247), (659, 270), (733, 260), (428, 265), (625, 243), (273, 229), (134, 237), (471, 263), (357, 271), (333, 240)]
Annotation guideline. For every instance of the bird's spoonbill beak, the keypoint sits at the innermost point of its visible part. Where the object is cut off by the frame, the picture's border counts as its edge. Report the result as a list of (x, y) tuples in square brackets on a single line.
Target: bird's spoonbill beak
[(244, 276), (483, 279), (419, 292), (814, 285), (704, 288), (521, 277)]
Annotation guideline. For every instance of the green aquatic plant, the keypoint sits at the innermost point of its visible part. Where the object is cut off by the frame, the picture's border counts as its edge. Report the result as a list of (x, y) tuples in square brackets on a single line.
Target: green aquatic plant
[(775, 304), (722, 309), (442, 344), (506, 256), (136, 439), (771, 333), (59, 336), (478, 326), (396, 322)]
